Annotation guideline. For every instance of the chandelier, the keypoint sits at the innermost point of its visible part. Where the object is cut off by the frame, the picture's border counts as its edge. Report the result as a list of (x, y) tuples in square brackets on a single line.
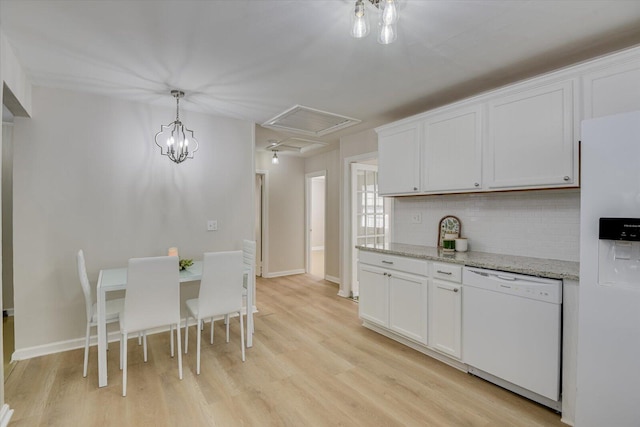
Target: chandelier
[(177, 145), (388, 16)]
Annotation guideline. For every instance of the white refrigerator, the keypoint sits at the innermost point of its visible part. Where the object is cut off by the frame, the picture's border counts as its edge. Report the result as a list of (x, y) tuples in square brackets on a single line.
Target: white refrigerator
[(608, 365)]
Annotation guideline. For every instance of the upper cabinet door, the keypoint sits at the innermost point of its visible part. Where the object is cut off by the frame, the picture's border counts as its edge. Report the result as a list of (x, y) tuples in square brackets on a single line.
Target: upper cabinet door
[(399, 159), (452, 151), (531, 143), (612, 90)]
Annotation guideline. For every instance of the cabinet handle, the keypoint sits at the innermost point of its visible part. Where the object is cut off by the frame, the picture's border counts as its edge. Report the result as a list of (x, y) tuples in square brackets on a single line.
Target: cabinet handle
[(415, 188), (567, 178), (384, 273), (456, 290), (477, 184), (387, 262), (448, 273)]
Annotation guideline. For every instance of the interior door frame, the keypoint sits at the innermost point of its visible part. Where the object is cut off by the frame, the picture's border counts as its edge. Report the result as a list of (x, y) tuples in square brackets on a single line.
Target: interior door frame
[(354, 253), (345, 222), (308, 177), (264, 229)]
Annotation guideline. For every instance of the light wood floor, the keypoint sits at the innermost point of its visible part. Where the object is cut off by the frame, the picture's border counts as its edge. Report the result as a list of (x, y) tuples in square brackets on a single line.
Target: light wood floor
[(312, 364)]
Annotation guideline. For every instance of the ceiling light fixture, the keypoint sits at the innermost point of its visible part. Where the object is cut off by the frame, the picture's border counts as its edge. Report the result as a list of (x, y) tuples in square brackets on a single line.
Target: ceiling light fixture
[(274, 159), (176, 143), (388, 14)]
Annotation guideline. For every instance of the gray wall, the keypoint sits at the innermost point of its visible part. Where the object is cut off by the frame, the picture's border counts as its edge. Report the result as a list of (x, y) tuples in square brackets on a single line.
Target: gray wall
[(285, 226), (88, 175)]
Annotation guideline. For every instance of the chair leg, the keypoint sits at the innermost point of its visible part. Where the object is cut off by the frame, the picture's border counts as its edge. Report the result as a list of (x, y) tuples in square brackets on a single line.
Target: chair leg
[(241, 334), (139, 338), (121, 351), (123, 346), (198, 339), (171, 339), (179, 349), (144, 346), (212, 330), (186, 334), (226, 319), (86, 350)]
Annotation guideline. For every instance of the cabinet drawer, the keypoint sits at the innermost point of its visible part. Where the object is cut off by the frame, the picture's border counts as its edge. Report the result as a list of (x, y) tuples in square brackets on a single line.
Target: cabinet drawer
[(394, 262), (450, 272)]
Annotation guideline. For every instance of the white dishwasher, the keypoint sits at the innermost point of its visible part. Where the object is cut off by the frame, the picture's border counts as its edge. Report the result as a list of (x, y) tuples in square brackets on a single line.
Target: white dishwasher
[(512, 332)]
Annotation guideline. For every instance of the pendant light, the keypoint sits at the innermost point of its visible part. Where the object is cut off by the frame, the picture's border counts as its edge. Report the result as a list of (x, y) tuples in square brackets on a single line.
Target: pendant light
[(388, 16), (274, 159), (177, 141)]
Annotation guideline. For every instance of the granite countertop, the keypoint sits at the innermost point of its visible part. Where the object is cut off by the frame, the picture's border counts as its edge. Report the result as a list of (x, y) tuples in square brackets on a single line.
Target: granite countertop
[(540, 267)]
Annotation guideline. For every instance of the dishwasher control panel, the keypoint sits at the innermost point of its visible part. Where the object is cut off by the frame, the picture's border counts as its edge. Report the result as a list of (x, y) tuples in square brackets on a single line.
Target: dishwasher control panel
[(540, 289)]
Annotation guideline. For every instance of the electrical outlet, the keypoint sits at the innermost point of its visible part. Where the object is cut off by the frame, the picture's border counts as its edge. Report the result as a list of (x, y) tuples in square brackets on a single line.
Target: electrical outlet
[(212, 225), (416, 218)]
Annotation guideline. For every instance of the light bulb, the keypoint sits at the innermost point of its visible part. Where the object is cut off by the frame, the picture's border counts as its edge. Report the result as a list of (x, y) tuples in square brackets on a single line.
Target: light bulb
[(274, 159), (359, 21), (186, 142), (170, 141), (389, 12), (387, 34)]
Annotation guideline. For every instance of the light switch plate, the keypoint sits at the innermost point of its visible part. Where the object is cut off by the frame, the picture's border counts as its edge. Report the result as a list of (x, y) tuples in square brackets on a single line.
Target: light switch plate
[(212, 225), (416, 218)]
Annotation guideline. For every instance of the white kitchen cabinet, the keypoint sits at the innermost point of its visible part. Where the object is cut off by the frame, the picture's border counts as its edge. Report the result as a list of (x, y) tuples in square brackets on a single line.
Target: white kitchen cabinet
[(445, 310), (408, 305), (531, 138), (452, 151), (612, 90), (373, 300), (393, 293), (399, 159)]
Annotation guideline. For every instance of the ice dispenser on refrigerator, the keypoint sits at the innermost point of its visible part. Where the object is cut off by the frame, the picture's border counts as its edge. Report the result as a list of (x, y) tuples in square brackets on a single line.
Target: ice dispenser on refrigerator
[(619, 252)]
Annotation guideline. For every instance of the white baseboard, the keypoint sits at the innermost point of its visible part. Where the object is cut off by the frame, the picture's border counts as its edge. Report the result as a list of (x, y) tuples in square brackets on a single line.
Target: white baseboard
[(332, 279), (60, 346), (283, 273), (5, 415)]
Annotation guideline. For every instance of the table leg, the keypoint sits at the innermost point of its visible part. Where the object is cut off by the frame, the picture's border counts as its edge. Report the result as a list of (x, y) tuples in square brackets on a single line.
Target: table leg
[(102, 334), (251, 286)]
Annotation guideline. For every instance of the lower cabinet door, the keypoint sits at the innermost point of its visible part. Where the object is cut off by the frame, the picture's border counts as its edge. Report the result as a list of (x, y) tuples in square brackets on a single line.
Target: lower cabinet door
[(408, 305), (373, 300), (446, 318)]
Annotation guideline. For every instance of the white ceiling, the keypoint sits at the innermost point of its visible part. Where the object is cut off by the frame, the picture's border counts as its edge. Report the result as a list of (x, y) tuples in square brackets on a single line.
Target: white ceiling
[(255, 59)]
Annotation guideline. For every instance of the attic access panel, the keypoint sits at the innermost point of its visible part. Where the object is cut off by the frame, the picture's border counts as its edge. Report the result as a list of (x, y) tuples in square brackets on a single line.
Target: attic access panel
[(309, 121)]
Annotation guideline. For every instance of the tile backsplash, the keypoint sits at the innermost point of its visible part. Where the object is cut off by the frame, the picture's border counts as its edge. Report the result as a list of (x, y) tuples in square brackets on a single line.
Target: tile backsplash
[(541, 224)]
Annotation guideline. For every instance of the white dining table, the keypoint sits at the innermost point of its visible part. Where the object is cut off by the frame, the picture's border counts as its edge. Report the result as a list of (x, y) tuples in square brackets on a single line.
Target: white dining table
[(115, 279)]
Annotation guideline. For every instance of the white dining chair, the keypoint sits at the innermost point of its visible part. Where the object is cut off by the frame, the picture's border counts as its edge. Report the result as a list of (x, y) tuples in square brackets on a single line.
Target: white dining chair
[(152, 300), (113, 310), (249, 262), (220, 295)]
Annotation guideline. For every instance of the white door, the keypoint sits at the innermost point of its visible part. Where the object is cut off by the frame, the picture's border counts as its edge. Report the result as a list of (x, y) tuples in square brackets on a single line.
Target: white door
[(315, 202), (369, 214)]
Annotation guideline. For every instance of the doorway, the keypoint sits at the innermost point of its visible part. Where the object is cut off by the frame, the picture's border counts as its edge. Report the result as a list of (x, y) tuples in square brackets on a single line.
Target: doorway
[(370, 215), (8, 335), (315, 199)]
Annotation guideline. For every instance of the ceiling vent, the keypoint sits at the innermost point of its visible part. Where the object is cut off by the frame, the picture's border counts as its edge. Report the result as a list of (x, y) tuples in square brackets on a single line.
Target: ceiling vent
[(298, 145), (309, 121)]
